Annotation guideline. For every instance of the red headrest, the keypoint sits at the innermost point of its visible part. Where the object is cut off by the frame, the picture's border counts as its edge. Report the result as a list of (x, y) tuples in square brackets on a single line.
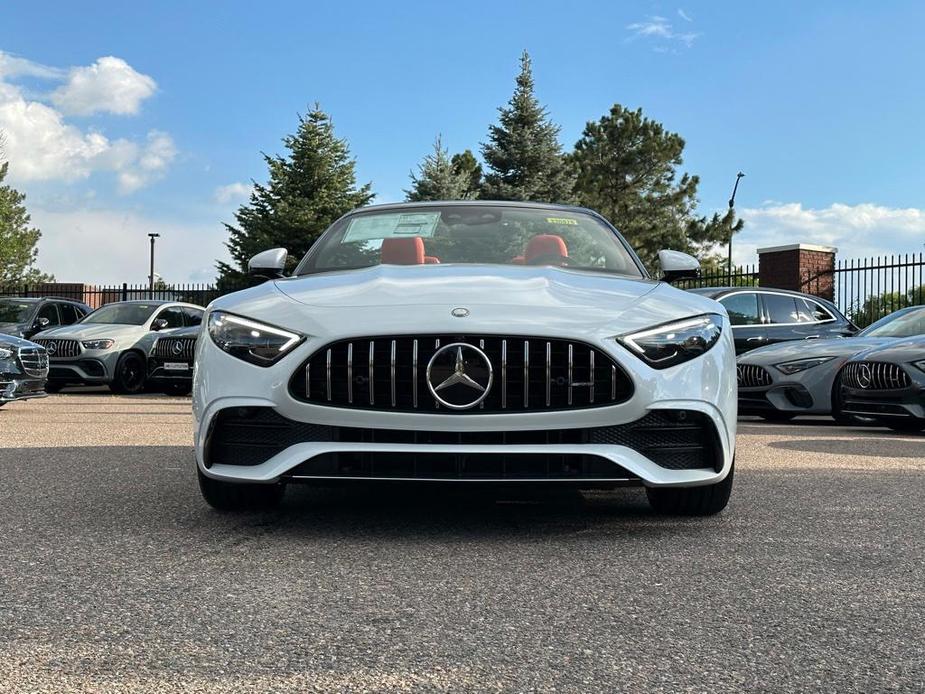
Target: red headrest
[(545, 244), (409, 251)]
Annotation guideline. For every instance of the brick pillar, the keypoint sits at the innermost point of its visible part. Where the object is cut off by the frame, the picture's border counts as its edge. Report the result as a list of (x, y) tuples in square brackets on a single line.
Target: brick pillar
[(802, 267)]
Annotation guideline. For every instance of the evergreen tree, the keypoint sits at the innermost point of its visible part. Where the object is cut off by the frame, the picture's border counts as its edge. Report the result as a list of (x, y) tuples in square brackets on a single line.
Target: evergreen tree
[(308, 189), (438, 179), (18, 252), (523, 154), (627, 169), (465, 164)]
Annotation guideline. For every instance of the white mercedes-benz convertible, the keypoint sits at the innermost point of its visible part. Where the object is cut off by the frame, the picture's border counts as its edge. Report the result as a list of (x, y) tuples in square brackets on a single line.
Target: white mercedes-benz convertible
[(467, 342)]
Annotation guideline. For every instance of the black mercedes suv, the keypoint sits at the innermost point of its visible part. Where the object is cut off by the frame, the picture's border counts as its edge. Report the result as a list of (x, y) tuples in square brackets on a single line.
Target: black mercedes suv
[(26, 316)]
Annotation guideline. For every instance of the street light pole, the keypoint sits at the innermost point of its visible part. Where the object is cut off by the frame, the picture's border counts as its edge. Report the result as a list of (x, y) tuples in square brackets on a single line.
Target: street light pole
[(151, 276), (732, 202)]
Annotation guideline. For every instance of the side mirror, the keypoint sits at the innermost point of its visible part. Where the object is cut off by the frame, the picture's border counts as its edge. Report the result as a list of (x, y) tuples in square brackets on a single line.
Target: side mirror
[(677, 265), (269, 264), (42, 323), (160, 324)]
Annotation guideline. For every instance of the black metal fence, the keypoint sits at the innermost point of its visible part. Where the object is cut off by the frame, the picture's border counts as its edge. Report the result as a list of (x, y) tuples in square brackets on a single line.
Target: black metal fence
[(742, 276), (97, 295)]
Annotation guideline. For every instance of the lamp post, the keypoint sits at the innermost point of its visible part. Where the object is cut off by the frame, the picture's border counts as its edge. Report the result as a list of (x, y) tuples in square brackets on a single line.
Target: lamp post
[(151, 276), (732, 202)]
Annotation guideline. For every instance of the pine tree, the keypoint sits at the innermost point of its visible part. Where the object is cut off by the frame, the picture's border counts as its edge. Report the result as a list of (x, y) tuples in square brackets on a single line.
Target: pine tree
[(523, 154), (627, 168), (18, 240), (438, 179), (308, 189), (465, 164)]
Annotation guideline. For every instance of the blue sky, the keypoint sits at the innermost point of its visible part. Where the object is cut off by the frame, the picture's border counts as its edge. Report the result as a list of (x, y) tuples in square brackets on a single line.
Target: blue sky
[(121, 119)]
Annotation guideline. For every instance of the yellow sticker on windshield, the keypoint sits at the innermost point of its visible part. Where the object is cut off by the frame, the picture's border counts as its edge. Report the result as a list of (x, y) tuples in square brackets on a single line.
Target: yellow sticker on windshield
[(562, 220)]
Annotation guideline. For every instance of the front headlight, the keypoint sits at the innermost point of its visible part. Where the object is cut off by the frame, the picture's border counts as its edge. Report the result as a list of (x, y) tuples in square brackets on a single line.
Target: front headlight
[(7, 351), (792, 367), (257, 343), (676, 342), (98, 344), (919, 364)]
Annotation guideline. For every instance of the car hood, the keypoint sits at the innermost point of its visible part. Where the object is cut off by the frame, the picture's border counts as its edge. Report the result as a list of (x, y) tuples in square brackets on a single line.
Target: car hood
[(13, 340), (499, 299), (87, 331), (11, 329), (807, 349), (898, 350)]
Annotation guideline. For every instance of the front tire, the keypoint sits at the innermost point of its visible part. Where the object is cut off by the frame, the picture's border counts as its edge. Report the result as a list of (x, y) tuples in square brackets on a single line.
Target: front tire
[(692, 501), (129, 378), (243, 496)]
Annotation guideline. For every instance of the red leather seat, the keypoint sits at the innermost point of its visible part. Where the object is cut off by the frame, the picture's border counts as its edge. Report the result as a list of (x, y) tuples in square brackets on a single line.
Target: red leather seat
[(409, 251), (545, 244)]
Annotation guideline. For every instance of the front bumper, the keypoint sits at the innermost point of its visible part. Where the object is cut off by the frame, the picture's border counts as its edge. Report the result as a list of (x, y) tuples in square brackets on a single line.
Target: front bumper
[(706, 386), (165, 371), (88, 369), (20, 387), (885, 405), (807, 392)]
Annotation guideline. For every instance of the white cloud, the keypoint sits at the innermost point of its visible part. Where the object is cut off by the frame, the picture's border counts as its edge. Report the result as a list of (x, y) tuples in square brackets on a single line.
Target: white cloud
[(662, 32), (72, 242), (109, 85), (232, 192), (858, 231), (684, 15), (41, 145)]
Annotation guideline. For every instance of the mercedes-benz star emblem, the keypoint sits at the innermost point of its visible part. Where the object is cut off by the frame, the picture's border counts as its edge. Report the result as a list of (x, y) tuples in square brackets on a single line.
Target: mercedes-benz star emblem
[(460, 312), (864, 376), (459, 375), (52, 347), (177, 348)]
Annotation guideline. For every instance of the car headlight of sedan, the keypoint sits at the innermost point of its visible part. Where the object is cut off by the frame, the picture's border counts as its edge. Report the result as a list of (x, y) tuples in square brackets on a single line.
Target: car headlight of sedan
[(676, 342), (98, 344), (7, 352), (254, 342), (792, 367)]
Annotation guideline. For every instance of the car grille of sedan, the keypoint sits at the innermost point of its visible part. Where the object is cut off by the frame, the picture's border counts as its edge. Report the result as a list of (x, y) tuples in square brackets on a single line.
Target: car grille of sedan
[(60, 349), (34, 361), (874, 375), (752, 376), (528, 374), (179, 348), (673, 439)]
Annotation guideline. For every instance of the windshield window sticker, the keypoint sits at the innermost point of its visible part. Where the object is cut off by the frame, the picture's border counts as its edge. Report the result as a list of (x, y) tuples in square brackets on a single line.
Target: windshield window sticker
[(562, 220), (388, 226)]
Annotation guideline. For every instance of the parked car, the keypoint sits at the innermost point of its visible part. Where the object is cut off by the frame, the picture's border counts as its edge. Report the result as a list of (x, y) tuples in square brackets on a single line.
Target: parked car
[(103, 348), (467, 341), (23, 369), (762, 317), (26, 316), (170, 361), (887, 384), (781, 381)]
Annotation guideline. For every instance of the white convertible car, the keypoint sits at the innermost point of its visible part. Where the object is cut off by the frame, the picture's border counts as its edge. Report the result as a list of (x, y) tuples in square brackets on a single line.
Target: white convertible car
[(486, 342)]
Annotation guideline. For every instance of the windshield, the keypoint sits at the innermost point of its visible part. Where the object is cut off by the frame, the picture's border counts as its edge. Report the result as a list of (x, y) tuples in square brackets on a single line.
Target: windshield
[(905, 324), (485, 234), (13, 311), (122, 314)]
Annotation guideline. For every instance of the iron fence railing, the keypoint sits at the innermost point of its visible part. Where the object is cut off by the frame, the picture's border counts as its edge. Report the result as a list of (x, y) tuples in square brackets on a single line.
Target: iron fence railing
[(97, 295), (743, 276)]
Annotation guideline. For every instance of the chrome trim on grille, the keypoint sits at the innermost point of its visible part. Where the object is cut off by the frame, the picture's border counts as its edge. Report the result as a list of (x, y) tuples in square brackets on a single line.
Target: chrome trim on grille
[(503, 374), (63, 349), (34, 361), (350, 373), (752, 376), (392, 372), (166, 348), (875, 375)]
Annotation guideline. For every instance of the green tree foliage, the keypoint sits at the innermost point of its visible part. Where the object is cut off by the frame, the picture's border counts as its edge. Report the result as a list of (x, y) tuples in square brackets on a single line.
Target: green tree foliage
[(465, 164), (18, 239), (308, 188), (627, 169), (877, 306), (523, 156), (438, 179)]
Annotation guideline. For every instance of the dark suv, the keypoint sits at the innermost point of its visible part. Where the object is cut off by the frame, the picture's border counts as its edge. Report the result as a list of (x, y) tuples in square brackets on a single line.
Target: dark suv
[(764, 316), (26, 316)]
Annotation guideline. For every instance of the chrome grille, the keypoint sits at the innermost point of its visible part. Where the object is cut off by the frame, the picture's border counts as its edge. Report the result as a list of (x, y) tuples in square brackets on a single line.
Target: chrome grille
[(874, 375), (34, 361), (530, 374), (752, 376), (177, 348), (60, 349)]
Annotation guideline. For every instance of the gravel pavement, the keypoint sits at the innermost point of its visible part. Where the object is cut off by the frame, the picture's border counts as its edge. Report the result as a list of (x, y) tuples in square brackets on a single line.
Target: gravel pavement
[(115, 576)]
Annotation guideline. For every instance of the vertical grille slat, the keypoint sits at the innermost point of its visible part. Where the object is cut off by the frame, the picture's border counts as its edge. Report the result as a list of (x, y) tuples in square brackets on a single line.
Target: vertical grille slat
[(752, 376), (530, 374), (34, 361), (875, 375), (60, 349)]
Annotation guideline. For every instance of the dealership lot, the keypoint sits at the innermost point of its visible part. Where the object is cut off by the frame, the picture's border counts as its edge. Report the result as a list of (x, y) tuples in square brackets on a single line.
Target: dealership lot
[(116, 574)]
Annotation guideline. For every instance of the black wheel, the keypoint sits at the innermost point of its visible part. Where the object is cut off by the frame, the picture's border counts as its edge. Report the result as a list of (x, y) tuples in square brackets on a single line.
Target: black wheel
[(177, 388), (840, 417), (908, 426), (130, 374), (777, 416), (234, 496), (692, 501)]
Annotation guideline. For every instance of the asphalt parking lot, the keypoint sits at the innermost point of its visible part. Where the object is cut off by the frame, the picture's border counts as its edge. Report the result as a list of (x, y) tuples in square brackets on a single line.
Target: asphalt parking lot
[(115, 575)]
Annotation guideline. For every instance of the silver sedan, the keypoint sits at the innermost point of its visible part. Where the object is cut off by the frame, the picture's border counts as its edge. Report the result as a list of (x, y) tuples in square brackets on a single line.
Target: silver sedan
[(781, 381)]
